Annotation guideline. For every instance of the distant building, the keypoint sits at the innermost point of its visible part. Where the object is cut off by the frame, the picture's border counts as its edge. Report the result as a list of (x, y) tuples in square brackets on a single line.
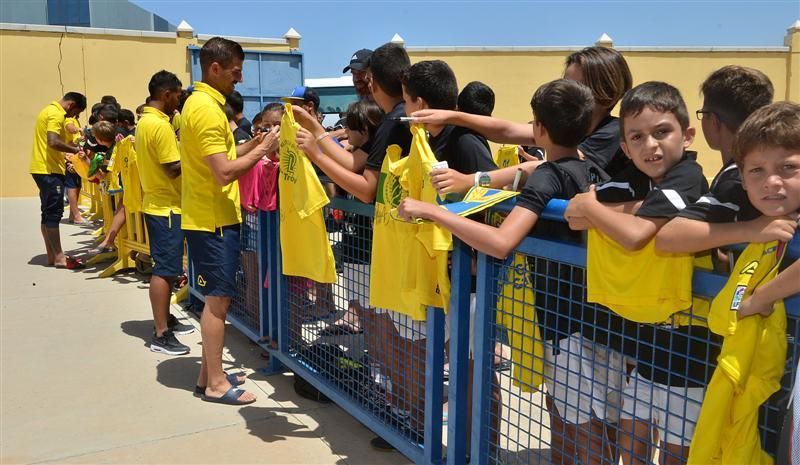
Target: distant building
[(105, 14)]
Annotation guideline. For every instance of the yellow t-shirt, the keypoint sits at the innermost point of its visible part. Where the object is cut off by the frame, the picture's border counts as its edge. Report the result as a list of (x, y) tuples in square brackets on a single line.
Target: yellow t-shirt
[(156, 145), (46, 160), (176, 122), (506, 156), (70, 136), (127, 165), (750, 366), (205, 205), (305, 248), (425, 280), (645, 286)]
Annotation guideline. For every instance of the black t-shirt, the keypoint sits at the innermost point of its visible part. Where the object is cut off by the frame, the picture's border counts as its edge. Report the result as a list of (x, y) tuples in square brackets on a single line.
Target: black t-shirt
[(666, 355), (245, 125), (559, 287), (240, 136), (464, 150), (389, 132), (727, 202), (602, 146)]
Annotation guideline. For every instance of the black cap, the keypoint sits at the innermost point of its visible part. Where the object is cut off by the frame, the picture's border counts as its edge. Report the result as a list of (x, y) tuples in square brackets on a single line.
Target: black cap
[(359, 60)]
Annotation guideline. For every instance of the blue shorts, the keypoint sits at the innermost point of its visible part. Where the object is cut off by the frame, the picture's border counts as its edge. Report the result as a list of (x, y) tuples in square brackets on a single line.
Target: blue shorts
[(166, 244), (72, 180), (51, 195), (215, 259)]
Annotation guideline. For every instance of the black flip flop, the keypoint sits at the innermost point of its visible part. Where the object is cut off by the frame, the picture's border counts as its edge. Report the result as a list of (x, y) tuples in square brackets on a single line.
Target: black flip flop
[(229, 398)]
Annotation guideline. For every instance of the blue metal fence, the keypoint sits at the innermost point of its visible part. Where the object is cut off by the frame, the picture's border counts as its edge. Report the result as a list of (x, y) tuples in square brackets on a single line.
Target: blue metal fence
[(592, 362)]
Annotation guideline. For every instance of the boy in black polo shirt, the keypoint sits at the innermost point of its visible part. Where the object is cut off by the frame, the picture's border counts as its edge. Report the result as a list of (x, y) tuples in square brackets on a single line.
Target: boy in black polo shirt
[(562, 112), (730, 95), (667, 387)]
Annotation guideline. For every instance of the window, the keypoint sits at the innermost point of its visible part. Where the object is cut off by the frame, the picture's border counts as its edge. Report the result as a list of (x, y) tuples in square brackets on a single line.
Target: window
[(68, 12)]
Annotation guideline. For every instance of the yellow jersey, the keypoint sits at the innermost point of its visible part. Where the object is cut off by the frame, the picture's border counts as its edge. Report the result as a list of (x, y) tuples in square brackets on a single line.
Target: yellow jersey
[(44, 159), (205, 205), (156, 145), (126, 163), (305, 248)]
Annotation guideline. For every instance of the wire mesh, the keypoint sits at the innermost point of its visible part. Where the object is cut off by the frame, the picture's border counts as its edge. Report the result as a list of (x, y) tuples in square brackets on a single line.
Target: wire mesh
[(374, 357), (245, 305), (574, 383)]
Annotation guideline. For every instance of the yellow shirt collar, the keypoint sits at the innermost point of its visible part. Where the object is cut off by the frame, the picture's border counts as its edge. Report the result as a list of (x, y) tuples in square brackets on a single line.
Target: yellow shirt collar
[(214, 93), (58, 105), (148, 110)]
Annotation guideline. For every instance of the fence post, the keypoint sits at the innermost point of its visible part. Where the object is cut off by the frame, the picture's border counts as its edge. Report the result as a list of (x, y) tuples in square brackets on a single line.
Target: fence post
[(268, 304), (434, 386), (482, 376), (458, 391)]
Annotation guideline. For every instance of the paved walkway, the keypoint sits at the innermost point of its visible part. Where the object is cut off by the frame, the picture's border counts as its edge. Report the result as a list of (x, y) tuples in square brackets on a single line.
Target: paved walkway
[(79, 385)]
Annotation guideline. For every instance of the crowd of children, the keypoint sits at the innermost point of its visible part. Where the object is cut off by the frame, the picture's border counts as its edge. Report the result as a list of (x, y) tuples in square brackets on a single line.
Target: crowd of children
[(622, 378)]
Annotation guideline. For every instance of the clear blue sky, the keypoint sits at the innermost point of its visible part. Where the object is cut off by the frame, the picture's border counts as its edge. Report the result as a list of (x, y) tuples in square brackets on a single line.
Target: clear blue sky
[(332, 30)]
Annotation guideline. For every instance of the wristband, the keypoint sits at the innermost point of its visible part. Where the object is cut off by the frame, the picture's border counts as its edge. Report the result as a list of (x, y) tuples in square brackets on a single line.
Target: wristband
[(322, 136)]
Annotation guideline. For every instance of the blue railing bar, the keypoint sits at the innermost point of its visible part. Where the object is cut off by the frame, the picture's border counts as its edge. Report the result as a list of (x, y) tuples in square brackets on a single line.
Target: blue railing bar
[(554, 211), (484, 345), (401, 443), (353, 206), (457, 395), (434, 386)]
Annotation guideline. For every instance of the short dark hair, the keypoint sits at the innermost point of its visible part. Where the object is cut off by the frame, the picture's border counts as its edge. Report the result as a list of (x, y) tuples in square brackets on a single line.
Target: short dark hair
[(364, 116), (127, 116), (109, 99), (387, 64), (733, 92), (564, 108), (775, 125), (236, 102), (140, 109), (605, 72), (272, 106), (109, 112), (230, 113), (256, 118), (77, 97), (163, 81), (657, 96), (220, 50), (434, 82), (476, 98)]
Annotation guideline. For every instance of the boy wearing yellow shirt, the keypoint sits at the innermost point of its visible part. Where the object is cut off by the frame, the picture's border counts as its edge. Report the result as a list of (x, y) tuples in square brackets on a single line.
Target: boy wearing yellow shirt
[(211, 163), (159, 168), (48, 166)]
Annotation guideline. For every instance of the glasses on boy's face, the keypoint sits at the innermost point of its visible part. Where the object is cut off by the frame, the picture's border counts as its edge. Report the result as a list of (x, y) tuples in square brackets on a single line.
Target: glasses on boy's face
[(701, 112)]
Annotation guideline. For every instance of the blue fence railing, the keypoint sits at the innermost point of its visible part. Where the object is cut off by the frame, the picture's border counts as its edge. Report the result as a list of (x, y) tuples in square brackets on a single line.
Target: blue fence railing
[(476, 383)]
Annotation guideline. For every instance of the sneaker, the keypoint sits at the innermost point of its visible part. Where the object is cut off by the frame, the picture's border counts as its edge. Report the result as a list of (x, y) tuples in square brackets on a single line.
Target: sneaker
[(168, 344), (177, 327)]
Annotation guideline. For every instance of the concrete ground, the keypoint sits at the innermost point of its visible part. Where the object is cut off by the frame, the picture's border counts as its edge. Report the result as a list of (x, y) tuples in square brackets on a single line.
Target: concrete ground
[(79, 385)]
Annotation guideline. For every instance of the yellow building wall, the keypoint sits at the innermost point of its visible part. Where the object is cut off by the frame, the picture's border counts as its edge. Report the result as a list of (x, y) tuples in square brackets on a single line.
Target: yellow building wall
[(92, 64), (515, 75)]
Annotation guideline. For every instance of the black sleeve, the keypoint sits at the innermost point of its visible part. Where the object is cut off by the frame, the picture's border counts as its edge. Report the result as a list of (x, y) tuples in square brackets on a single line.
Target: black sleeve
[(727, 203), (471, 155), (683, 185), (542, 186), (629, 184), (388, 133), (600, 147)]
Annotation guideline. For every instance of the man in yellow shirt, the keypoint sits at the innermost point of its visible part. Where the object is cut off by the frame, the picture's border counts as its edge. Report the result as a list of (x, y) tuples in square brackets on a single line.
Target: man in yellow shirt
[(211, 163), (159, 169), (47, 167)]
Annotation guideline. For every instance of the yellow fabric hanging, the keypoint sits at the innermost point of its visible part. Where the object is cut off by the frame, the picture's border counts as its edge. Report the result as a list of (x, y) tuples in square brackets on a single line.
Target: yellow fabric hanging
[(517, 313), (644, 286), (305, 248), (111, 180), (425, 280), (129, 171), (749, 368), (81, 167), (506, 156)]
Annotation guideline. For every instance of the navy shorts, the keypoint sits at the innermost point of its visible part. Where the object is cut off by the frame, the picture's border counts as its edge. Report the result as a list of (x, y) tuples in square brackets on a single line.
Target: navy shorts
[(72, 180), (51, 195), (215, 259), (166, 244)]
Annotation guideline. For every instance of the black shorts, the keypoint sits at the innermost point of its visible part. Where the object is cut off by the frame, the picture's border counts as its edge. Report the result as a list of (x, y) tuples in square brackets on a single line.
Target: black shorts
[(51, 195), (72, 180), (166, 244), (215, 259)]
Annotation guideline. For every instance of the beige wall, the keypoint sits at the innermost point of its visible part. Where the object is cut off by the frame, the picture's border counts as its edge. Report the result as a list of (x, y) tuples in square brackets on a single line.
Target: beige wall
[(93, 64), (515, 73)]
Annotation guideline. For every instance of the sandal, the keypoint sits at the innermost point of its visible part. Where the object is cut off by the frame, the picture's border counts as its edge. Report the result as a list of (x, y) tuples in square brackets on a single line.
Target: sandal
[(233, 378), (230, 398), (73, 264)]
